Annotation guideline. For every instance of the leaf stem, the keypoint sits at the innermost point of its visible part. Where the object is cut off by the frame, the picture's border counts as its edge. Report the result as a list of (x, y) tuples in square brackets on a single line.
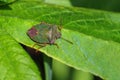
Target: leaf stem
[(48, 67)]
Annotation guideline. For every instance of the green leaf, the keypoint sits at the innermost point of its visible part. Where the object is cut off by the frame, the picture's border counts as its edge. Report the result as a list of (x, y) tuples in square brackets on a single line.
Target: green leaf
[(15, 64), (59, 2), (95, 35)]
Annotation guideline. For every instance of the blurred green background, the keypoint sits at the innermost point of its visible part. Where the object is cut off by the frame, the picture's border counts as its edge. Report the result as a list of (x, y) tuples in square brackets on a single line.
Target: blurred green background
[(63, 72), (109, 5)]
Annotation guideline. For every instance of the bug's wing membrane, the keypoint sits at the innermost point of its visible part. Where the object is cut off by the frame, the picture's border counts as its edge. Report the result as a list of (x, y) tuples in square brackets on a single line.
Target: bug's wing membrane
[(42, 36)]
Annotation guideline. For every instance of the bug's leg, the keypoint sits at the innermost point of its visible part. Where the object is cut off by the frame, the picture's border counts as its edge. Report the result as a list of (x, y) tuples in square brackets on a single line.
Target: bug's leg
[(56, 45), (40, 45), (34, 45), (52, 43)]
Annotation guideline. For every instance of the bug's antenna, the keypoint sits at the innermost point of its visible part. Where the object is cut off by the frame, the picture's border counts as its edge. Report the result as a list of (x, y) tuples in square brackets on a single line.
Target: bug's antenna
[(61, 22), (60, 27), (67, 40)]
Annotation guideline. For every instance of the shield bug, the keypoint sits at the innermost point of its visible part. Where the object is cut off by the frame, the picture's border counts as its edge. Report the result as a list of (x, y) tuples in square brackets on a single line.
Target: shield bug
[(45, 33)]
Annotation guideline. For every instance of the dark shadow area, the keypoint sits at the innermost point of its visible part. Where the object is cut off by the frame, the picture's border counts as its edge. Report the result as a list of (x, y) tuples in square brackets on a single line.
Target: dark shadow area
[(97, 78), (2, 3), (5, 5), (110, 5), (71, 73), (37, 57)]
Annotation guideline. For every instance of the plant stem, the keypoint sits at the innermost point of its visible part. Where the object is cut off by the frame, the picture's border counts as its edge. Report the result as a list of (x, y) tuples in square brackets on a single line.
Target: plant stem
[(48, 67)]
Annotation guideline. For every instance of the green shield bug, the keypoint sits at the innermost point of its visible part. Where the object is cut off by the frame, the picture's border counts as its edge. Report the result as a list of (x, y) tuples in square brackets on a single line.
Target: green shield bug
[(45, 33)]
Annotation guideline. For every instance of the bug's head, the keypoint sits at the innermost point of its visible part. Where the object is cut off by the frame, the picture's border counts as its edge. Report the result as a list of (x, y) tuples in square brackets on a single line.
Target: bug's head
[(58, 35)]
